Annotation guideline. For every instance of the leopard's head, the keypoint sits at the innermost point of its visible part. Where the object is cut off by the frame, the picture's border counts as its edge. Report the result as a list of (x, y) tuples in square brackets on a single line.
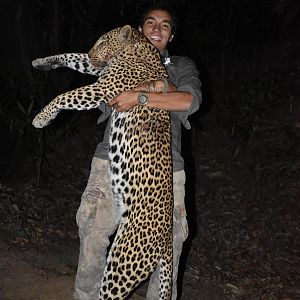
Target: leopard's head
[(122, 42), (109, 45)]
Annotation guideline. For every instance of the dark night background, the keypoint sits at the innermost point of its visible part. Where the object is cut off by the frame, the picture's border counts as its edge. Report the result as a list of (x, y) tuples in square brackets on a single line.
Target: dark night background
[(242, 155)]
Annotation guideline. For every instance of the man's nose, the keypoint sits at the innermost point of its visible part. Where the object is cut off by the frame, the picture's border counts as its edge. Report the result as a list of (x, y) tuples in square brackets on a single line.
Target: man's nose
[(156, 28)]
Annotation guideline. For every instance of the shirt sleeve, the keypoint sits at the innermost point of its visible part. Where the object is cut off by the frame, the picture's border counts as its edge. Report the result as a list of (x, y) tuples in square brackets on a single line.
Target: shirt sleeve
[(106, 112), (188, 81)]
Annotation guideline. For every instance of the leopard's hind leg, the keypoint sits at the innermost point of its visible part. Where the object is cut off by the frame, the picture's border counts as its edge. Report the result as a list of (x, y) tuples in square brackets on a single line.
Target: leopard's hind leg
[(127, 266)]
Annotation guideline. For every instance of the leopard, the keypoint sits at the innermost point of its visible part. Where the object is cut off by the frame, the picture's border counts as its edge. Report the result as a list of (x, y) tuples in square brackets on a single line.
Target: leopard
[(139, 156)]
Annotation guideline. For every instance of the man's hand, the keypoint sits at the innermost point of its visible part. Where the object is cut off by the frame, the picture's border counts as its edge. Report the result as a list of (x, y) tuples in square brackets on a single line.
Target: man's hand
[(127, 100), (145, 86), (124, 101), (156, 86)]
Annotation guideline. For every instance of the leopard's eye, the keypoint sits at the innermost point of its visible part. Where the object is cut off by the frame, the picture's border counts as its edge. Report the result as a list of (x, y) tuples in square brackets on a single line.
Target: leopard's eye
[(102, 43)]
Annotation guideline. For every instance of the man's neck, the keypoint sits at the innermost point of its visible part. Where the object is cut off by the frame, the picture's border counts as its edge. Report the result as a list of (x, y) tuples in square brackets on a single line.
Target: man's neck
[(164, 53)]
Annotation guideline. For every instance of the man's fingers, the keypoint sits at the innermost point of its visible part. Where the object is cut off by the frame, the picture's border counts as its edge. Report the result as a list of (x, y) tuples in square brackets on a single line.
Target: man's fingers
[(112, 102)]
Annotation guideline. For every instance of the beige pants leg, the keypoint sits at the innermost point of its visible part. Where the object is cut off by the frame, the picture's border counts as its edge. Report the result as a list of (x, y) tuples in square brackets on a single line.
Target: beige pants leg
[(97, 219), (180, 233)]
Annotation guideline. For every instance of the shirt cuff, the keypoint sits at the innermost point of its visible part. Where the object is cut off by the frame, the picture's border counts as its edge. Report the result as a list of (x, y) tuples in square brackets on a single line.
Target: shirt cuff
[(183, 115)]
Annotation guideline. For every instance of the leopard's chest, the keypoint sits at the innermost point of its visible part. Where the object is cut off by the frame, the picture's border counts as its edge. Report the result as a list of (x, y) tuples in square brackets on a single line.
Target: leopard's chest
[(139, 145)]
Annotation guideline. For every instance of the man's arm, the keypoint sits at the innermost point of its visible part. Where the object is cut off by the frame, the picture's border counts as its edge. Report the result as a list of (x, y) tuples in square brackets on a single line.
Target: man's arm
[(184, 98), (173, 101), (187, 80)]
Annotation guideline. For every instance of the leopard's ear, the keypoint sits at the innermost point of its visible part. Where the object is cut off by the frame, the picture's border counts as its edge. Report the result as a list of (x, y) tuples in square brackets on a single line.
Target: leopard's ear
[(125, 33)]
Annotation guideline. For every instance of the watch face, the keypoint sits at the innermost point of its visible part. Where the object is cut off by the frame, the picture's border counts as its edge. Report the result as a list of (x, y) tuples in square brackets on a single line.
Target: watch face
[(143, 98)]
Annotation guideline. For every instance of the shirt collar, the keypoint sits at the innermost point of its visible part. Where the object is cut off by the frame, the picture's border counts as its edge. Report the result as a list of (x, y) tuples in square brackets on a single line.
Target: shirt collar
[(165, 58)]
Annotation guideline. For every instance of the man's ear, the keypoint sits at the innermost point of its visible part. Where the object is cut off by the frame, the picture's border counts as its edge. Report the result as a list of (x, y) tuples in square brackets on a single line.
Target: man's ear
[(140, 29), (171, 38)]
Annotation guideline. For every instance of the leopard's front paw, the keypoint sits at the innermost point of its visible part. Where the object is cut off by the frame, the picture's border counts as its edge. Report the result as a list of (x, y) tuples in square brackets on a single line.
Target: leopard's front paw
[(41, 120), (46, 64)]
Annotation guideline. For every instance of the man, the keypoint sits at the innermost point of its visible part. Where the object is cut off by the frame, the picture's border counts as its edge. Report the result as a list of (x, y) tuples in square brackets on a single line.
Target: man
[(97, 216)]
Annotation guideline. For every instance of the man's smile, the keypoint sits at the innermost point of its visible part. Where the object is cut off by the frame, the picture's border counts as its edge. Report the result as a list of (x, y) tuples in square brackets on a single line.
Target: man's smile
[(154, 37)]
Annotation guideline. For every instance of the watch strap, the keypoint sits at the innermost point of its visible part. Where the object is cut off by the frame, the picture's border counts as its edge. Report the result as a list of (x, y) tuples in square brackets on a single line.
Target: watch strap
[(166, 84)]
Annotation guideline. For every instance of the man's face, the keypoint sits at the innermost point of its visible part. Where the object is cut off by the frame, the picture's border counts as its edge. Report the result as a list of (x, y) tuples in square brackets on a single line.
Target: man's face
[(157, 28)]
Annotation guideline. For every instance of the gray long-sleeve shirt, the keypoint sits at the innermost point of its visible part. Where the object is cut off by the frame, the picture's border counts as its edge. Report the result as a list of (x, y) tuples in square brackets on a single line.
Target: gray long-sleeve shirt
[(183, 73)]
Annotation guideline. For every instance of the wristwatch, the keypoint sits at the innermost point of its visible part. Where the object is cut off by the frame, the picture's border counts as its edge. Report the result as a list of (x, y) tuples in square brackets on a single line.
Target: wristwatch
[(143, 98)]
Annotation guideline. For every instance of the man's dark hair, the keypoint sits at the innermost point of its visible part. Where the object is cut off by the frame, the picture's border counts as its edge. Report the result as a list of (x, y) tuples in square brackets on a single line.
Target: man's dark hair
[(160, 6)]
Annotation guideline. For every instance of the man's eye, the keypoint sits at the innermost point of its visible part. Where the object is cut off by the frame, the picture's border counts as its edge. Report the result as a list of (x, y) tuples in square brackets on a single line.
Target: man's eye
[(166, 26)]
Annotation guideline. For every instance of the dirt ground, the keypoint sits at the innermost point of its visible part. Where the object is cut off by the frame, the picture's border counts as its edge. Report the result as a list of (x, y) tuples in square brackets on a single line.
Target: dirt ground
[(21, 278), (32, 276)]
